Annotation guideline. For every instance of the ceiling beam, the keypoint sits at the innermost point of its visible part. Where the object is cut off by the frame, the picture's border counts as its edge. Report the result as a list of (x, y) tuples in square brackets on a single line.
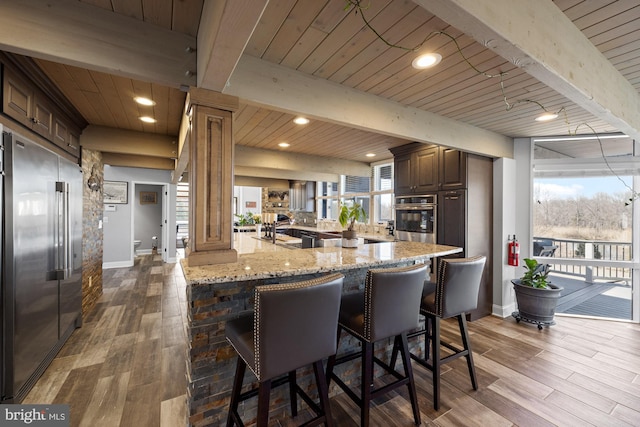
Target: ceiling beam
[(274, 86), (281, 174), (111, 140), (224, 31), (257, 158), (130, 161), (79, 34), (539, 38)]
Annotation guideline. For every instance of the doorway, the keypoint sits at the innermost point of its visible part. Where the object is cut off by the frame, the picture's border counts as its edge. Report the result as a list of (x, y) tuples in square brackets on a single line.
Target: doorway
[(148, 219), (585, 208)]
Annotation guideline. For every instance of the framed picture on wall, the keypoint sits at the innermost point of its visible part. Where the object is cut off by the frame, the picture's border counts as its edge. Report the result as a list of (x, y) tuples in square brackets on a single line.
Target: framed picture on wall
[(148, 197), (116, 192)]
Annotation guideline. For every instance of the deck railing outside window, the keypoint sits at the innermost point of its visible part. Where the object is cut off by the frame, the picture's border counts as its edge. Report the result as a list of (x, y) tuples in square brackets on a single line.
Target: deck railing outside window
[(591, 249)]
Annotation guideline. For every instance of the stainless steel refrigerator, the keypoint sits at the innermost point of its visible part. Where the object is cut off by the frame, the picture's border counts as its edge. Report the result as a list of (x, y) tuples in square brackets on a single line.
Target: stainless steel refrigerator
[(41, 259)]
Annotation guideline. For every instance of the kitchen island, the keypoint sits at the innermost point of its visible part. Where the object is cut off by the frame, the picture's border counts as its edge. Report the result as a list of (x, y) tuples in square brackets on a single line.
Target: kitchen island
[(217, 293)]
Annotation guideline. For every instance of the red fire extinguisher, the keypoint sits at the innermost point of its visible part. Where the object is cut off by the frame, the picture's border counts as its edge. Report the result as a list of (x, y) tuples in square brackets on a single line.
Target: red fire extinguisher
[(514, 252)]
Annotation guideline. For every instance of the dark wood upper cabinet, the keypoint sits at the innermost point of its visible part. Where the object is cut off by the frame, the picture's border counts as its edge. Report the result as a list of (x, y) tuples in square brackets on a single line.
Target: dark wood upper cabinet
[(403, 174), (17, 99), (426, 173), (24, 101), (421, 169), (452, 169)]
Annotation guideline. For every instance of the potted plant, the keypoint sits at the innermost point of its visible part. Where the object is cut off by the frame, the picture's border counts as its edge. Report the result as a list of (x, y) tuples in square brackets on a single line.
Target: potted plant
[(536, 296), (349, 215)]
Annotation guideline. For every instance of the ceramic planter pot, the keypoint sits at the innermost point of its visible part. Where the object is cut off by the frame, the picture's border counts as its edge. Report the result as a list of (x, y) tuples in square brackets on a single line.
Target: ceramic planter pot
[(537, 305), (349, 239), (349, 234)]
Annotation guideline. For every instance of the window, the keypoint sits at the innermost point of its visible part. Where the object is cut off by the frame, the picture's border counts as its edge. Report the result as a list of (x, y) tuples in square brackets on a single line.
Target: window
[(378, 204), (327, 199), (382, 192)]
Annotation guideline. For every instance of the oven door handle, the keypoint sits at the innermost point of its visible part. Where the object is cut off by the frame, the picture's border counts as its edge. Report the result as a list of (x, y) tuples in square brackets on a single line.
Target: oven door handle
[(415, 208)]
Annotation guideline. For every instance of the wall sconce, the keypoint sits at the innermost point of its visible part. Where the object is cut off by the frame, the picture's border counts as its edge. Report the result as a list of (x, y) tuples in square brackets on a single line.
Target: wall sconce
[(93, 182)]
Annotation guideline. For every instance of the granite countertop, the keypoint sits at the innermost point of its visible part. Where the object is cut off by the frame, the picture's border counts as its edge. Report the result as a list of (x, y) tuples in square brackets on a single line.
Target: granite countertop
[(260, 259)]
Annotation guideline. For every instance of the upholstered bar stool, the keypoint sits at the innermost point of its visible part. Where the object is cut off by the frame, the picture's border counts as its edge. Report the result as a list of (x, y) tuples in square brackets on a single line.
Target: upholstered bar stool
[(388, 307), (293, 325), (454, 295)]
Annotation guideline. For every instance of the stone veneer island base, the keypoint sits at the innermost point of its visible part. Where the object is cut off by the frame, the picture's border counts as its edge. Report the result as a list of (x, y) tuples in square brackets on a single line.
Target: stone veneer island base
[(220, 292)]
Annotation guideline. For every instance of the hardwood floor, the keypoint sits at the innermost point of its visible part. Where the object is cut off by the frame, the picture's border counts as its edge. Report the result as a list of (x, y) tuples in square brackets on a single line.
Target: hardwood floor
[(125, 367)]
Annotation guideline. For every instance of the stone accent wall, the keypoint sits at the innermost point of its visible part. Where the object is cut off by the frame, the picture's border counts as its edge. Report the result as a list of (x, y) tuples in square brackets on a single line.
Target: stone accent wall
[(211, 360), (92, 208)]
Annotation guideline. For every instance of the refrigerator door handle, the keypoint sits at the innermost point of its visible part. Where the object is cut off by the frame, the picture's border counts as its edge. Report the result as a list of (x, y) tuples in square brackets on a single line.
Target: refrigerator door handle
[(62, 232)]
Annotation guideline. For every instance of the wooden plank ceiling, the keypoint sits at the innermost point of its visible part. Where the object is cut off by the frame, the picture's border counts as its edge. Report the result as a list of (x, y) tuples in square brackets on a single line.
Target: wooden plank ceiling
[(322, 39)]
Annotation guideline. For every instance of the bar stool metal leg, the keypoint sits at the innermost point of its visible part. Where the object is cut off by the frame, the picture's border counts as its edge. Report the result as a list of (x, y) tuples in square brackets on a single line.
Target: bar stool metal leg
[(367, 382), (233, 417), (323, 392), (264, 391), (435, 352), (464, 332), (408, 373), (293, 396)]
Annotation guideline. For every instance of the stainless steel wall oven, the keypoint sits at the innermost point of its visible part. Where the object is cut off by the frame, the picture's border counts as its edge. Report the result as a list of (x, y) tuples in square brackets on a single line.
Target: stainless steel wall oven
[(416, 218)]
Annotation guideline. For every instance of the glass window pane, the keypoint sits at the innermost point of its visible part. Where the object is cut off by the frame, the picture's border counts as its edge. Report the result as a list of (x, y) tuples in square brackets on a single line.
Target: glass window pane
[(326, 189), (356, 184), (383, 207), (383, 177), (328, 208)]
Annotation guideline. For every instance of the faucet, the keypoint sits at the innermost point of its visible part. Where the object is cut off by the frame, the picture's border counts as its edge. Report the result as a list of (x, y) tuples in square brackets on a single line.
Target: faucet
[(390, 227)]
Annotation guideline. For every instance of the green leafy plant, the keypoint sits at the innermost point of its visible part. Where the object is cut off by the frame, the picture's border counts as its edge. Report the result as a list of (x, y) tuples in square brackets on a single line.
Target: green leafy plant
[(536, 274), (248, 219), (350, 214)]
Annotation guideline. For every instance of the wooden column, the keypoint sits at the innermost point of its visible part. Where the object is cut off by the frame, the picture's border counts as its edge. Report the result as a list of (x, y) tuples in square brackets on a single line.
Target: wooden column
[(210, 177)]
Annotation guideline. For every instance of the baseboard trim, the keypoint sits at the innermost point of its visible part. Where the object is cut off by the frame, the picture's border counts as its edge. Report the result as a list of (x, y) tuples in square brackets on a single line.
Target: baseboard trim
[(116, 264), (503, 310)]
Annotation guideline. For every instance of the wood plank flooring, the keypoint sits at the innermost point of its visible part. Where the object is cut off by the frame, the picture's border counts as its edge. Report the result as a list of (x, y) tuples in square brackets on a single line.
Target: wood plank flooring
[(125, 367)]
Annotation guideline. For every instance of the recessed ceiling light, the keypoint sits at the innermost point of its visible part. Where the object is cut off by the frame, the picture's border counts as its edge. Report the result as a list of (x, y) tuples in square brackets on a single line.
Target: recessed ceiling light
[(283, 144), (144, 101), (546, 116), (427, 60), (147, 119), (370, 154), (301, 120)]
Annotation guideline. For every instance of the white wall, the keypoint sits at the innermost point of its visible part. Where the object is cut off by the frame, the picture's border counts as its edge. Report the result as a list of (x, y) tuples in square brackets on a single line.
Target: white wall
[(504, 217), (512, 195), (118, 225), (248, 194)]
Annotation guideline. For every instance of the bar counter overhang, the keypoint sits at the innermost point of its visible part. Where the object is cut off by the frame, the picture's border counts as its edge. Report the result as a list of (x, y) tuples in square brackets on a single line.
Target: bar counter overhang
[(217, 293)]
